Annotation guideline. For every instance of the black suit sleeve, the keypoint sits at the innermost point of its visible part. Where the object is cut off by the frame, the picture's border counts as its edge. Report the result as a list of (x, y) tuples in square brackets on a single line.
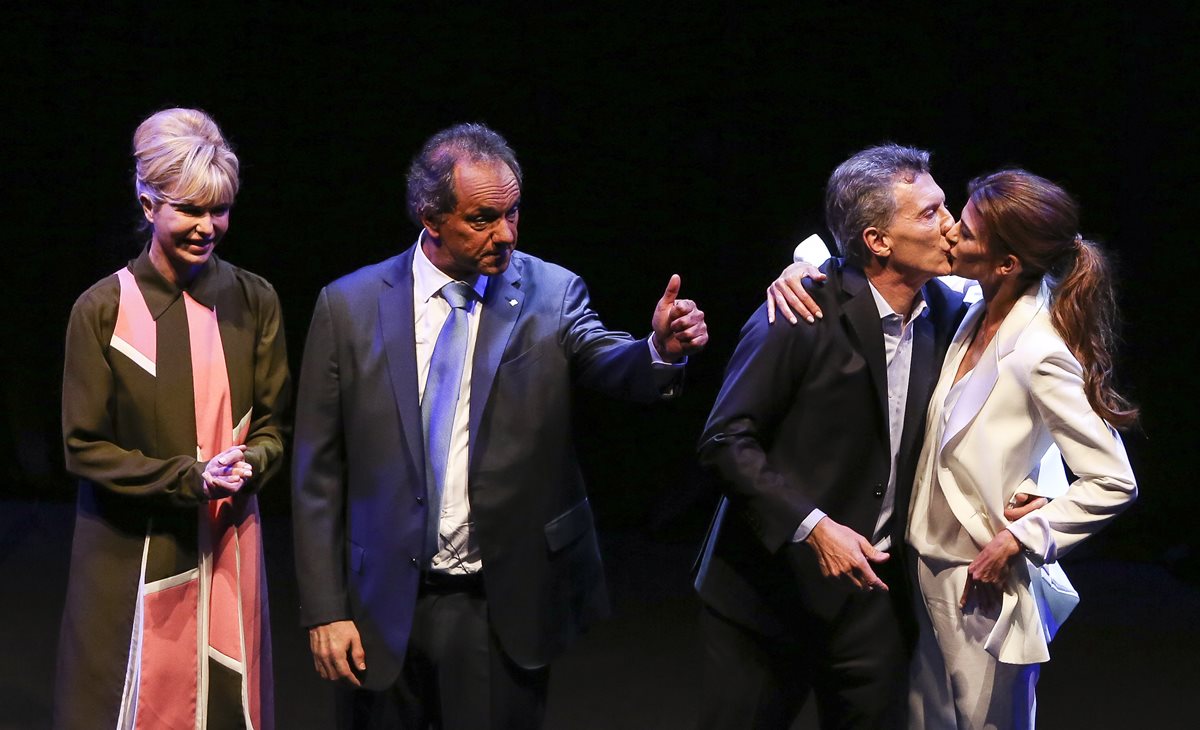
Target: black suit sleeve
[(318, 481), (759, 396)]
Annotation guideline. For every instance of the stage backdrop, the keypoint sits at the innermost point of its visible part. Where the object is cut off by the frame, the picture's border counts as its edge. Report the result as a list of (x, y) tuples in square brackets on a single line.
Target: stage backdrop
[(657, 138)]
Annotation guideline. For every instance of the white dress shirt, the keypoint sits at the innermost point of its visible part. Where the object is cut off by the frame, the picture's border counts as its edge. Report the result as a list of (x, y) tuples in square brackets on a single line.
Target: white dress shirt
[(897, 347), (457, 550)]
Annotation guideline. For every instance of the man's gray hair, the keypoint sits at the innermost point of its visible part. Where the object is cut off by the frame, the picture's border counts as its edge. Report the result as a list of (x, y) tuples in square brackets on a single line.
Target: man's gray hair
[(431, 174), (859, 194)]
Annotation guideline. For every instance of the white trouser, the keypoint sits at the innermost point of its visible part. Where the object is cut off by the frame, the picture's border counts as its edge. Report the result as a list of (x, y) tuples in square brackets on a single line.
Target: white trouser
[(955, 683)]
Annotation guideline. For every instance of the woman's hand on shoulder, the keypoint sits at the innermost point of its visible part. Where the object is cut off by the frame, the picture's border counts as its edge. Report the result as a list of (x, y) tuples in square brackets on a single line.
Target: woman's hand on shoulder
[(788, 295)]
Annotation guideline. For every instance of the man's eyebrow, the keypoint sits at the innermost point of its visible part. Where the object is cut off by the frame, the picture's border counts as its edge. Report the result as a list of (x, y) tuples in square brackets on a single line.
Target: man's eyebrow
[(920, 212), (483, 210), (492, 210), (932, 206)]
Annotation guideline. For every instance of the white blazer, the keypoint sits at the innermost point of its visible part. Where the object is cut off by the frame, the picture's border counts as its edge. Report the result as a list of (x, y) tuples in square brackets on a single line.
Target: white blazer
[(1024, 397)]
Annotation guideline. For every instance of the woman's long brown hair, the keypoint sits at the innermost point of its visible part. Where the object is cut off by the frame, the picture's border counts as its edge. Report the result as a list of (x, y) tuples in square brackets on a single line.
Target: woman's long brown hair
[(1038, 222)]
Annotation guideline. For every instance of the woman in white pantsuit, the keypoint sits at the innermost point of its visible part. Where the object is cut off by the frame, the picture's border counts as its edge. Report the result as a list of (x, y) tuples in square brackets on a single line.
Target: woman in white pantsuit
[(1030, 368)]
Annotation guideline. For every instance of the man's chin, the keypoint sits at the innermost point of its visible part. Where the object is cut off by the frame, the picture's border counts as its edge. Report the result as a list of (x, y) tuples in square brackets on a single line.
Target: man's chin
[(494, 266)]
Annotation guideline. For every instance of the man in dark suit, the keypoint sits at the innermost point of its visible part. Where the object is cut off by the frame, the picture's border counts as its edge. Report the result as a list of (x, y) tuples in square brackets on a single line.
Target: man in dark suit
[(814, 438), (444, 542)]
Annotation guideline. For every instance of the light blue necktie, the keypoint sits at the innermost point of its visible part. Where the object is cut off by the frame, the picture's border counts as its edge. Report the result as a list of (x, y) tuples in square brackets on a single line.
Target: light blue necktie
[(442, 386)]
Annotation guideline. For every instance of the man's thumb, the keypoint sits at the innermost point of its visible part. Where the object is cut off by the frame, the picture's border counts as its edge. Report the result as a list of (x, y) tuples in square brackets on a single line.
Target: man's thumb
[(672, 290)]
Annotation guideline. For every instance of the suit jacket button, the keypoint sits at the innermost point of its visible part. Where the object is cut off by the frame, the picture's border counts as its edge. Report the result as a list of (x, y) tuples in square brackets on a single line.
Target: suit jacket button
[(413, 561), (879, 490), (420, 499)]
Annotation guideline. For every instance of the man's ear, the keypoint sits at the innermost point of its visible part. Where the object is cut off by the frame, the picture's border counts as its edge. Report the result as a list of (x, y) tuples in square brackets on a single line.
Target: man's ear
[(432, 226), (876, 242), (147, 207)]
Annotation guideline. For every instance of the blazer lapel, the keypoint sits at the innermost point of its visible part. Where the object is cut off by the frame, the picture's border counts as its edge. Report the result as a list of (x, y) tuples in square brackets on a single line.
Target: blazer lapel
[(502, 305), (862, 320), (983, 379), (400, 344), (962, 335), (962, 338), (963, 508)]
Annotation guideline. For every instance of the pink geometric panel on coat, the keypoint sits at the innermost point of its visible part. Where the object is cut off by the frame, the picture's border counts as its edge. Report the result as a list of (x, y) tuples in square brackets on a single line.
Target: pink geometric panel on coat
[(167, 691), (224, 629), (214, 431), (135, 333), (257, 621), (210, 380)]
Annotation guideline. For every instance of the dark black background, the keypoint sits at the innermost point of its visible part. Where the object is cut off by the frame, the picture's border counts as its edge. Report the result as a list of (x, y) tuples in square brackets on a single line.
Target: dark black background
[(656, 138)]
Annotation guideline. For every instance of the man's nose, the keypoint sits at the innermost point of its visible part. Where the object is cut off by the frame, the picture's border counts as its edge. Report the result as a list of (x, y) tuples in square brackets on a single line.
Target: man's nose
[(947, 221), (506, 231), (951, 233)]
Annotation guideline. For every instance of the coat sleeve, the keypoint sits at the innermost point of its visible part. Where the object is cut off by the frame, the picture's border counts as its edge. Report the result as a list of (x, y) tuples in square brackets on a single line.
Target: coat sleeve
[(609, 361), (760, 387), (1094, 452), (272, 392), (89, 431), (318, 477)]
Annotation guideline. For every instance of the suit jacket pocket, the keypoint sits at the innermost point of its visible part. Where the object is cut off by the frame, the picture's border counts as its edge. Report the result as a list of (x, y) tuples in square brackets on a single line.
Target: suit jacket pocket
[(356, 558), (523, 359), (569, 526)]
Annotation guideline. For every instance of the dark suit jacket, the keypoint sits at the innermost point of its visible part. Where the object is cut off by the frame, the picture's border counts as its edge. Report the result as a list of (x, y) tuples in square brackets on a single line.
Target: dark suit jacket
[(359, 472), (801, 422)]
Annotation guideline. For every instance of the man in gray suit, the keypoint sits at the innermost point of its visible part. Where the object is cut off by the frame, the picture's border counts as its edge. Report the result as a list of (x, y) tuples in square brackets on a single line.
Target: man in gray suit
[(444, 543)]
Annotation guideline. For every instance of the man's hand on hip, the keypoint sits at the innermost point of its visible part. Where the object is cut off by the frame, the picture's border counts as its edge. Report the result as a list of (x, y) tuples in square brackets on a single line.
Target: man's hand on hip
[(845, 554)]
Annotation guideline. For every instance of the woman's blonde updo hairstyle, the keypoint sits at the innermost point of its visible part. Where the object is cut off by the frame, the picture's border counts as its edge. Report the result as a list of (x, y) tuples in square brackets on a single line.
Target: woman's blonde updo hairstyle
[(181, 157)]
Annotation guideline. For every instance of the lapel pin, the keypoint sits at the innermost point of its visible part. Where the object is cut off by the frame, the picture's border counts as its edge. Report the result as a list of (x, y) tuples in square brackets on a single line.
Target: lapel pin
[(512, 302)]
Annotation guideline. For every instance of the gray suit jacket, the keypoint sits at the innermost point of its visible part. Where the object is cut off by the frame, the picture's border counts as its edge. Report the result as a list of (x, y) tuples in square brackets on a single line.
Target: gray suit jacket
[(359, 473)]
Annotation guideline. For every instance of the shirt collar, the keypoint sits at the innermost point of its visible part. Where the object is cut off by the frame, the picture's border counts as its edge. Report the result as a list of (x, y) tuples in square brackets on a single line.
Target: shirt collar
[(428, 279), (160, 293), (885, 309)]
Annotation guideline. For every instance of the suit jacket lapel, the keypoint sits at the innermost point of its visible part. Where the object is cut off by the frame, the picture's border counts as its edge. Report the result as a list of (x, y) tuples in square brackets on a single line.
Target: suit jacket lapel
[(502, 305), (862, 320), (921, 377), (922, 373), (400, 344)]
